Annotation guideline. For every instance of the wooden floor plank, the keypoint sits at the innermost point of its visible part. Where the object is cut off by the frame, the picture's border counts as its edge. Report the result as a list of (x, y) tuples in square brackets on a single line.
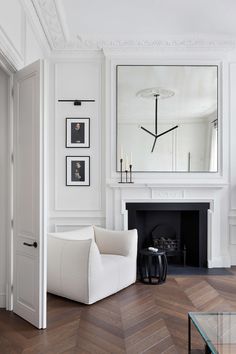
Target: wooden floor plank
[(140, 319)]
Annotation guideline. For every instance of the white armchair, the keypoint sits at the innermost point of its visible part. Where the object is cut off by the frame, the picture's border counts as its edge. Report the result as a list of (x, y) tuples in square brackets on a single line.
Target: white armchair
[(89, 264)]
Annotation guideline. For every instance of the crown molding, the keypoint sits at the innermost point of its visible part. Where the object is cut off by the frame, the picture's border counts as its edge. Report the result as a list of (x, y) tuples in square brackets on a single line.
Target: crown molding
[(13, 59), (52, 19), (35, 23)]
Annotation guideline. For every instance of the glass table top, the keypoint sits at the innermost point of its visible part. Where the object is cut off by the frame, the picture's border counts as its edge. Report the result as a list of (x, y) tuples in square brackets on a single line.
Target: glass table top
[(218, 329)]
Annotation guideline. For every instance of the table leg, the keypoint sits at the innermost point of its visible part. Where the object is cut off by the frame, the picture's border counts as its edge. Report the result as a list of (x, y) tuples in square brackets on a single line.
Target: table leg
[(160, 280), (165, 265), (140, 263), (150, 269), (155, 266), (189, 335)]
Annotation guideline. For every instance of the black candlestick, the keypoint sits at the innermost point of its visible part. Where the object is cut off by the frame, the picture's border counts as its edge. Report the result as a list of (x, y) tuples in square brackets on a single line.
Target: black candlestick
[(121, 171), (126, 176), (130, 174)]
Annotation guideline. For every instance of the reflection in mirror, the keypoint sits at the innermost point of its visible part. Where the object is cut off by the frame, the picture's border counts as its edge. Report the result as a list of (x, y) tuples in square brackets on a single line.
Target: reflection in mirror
[(167, 117)]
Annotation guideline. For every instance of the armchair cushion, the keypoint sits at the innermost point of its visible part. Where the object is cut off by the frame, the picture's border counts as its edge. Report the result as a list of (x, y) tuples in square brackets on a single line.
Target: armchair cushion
[(116, 242)]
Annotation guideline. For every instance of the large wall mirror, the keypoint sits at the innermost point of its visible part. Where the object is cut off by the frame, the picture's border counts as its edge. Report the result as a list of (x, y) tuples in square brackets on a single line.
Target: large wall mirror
[(167, 117)]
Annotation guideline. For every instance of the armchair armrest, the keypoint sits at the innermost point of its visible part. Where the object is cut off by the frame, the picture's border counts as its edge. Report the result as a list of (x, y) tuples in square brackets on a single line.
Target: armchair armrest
[(71, 264), (122, 243)]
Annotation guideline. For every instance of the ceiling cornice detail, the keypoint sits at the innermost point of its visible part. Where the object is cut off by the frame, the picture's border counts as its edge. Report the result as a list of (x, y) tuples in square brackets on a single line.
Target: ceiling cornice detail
[(48, 13)]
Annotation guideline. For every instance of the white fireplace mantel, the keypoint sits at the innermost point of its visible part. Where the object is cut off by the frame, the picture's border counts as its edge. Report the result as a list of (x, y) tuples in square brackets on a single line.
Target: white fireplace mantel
[(118, 194), (209, 185)]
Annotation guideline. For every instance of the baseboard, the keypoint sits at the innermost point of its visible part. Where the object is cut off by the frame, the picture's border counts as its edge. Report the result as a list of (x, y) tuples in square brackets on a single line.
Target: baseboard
[(220, 262), (233, 254), (2, 300)]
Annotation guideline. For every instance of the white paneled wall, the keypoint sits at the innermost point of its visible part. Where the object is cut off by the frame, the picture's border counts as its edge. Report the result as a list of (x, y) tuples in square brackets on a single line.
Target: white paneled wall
[(75, 206)]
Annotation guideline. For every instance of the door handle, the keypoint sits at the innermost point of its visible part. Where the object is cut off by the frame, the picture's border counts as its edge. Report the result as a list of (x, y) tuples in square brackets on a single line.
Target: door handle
[(34, 244)]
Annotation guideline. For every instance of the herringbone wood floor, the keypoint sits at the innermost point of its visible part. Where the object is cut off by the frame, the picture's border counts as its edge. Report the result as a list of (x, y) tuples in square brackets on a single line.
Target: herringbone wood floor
[(139, 319)]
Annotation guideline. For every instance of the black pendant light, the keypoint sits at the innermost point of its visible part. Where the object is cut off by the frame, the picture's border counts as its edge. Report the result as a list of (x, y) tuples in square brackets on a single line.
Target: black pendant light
[(156, 93)]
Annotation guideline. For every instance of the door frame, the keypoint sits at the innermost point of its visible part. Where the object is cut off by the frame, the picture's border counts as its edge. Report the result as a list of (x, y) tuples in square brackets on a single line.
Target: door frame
[(6, 66)]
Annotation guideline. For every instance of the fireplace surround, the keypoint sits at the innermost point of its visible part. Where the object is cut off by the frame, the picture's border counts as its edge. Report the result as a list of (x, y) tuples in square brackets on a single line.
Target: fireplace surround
[(119, 195), (181, 226)]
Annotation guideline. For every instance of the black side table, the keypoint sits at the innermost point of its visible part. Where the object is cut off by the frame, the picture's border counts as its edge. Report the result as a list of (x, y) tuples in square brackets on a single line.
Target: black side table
[(152, 266)]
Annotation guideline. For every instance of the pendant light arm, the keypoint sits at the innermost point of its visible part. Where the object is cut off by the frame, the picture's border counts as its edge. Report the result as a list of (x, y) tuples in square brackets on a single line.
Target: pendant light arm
[(156, 107), (148, 131), (167, 131)]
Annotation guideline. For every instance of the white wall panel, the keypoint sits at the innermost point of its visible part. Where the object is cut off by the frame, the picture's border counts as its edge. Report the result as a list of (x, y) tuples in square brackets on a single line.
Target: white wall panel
[(79, 79)]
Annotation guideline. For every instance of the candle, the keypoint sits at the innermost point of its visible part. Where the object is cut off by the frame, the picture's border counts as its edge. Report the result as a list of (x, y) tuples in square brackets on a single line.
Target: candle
[(121, 152), (127, 163), (131, 158)]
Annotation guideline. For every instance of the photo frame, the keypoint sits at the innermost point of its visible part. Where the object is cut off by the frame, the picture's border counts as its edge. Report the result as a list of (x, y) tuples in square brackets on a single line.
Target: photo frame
[(77, 132), (77, 170)]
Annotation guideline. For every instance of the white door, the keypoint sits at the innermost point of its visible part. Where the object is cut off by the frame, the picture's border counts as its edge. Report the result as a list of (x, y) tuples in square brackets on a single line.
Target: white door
[(29, 251)]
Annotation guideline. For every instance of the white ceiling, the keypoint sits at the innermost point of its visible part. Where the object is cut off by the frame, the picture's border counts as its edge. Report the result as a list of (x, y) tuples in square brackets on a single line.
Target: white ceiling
[(76, 23), (149, 18)]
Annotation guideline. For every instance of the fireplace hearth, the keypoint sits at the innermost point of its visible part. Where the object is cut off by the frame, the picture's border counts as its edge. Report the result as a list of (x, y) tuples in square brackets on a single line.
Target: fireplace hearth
[(178, 228)]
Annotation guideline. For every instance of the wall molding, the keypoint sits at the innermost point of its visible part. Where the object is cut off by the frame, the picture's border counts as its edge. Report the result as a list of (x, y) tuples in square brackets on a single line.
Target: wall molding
[(60, 227), (14, 59), (69, 223), (96, 118)]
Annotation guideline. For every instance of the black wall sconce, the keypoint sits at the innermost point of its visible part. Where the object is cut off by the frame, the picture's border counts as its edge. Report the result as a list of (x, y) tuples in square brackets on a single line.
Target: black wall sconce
[(76, 102)]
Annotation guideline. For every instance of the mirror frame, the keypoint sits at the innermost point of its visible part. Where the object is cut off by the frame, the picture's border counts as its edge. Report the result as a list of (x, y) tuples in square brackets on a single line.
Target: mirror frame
[(217, 107)]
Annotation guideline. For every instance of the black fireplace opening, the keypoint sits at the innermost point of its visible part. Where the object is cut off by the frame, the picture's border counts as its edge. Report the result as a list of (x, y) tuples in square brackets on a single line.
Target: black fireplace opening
[(178, 228)]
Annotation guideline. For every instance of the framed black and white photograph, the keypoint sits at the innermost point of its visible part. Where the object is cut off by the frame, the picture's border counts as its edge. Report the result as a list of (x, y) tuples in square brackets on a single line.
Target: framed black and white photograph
[(77, 132), (77, 170)]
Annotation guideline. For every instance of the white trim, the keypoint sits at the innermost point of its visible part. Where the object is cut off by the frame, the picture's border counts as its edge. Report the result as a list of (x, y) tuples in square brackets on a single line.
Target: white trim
[(164, 185), (58, 227), (43, 193), (219, 262), (7, 50), (8, 300)]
